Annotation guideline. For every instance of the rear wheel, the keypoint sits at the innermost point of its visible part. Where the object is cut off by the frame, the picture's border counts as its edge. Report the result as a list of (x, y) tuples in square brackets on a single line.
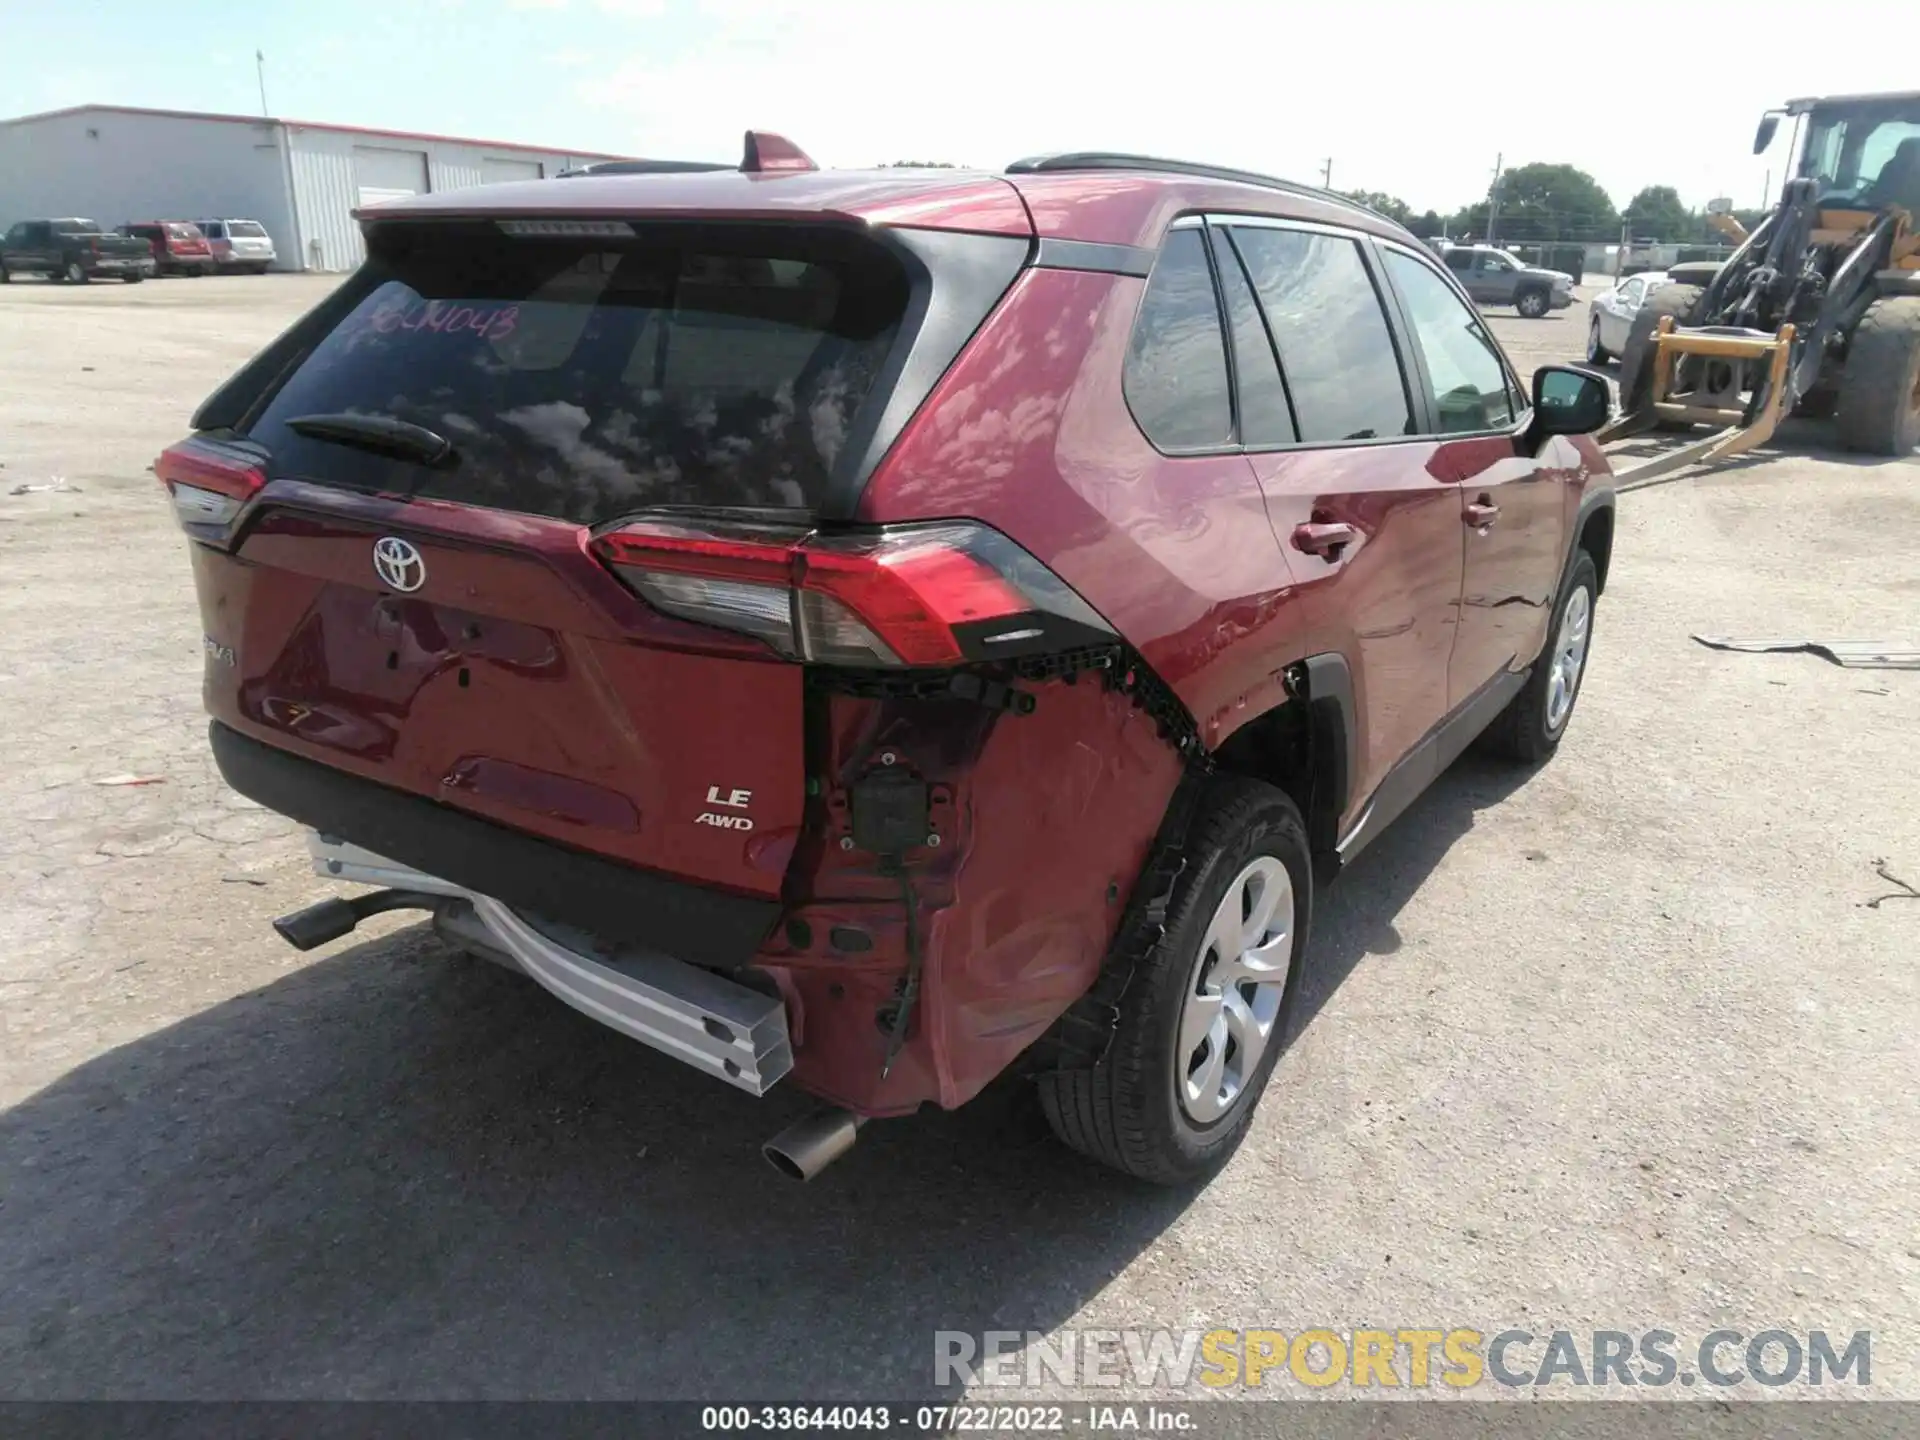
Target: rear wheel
[(1596, 352), (76, 273), (1532, 304), (1879, 410), (133, 277), (1203, 1019), (1682, 302)]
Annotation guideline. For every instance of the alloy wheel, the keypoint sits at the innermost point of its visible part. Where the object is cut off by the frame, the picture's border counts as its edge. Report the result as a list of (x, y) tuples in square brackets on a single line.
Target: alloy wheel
[(1569, 657), (1234, 993)]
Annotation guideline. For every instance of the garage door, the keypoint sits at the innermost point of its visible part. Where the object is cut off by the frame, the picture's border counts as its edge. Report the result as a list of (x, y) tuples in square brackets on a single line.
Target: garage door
[(492, 170), (383, 174)]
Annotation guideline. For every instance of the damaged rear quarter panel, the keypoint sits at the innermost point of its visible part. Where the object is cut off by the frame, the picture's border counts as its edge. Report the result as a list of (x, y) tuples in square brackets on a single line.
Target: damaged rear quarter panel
[(1045, 821)]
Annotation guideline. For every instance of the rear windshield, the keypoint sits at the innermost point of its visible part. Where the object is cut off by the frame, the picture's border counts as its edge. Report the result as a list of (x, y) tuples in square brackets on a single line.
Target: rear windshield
[(78, 227), (185, 232), (246, 230), (583, 379)]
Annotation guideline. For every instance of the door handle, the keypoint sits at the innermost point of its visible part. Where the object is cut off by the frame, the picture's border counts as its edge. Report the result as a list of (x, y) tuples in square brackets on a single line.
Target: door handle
[(1324, 538), (1482, 513)]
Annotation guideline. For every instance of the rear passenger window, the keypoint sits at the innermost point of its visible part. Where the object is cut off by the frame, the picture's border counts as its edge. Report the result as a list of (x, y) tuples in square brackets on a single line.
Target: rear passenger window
[(1335, 347), (1264, 416), (1467, 376), (1176, 375)]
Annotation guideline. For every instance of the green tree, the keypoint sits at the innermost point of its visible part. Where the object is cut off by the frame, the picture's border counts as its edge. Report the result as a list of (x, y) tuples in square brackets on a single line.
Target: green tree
[(1544, 203), (1427, 224), (1657, 214), (1391, 206)]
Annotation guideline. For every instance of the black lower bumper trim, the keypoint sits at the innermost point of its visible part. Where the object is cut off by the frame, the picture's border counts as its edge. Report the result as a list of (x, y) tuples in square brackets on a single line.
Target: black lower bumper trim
[(616, 902)]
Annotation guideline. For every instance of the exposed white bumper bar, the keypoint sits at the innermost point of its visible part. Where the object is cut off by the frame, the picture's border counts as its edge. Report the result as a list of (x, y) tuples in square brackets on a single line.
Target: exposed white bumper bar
[(711, 1023)]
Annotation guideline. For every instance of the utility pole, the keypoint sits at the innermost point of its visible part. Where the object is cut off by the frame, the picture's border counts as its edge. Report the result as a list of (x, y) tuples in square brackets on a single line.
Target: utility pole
[(1493, 201), (1766, 191), (260, 69), (1326, 174)]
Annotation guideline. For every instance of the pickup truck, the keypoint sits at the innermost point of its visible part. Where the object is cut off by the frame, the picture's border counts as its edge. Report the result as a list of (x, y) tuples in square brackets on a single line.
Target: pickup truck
[(73, 250)]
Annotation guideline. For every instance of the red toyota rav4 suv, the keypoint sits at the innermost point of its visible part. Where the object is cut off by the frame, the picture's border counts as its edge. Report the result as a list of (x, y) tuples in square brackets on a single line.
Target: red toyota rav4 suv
[(876, 629)]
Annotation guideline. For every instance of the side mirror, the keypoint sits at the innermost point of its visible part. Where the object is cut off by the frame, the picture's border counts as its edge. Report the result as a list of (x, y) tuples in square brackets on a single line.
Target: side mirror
[(1567, 401), (1763, 137)]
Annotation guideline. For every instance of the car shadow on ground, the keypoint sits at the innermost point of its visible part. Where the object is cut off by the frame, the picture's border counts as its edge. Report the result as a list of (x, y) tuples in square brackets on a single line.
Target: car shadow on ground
[(401, 1172)]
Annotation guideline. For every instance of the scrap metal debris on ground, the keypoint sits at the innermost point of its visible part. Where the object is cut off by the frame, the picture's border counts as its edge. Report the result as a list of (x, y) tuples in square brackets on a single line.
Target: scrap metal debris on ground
[(1854, 654), (1905, 892), (56, 486)]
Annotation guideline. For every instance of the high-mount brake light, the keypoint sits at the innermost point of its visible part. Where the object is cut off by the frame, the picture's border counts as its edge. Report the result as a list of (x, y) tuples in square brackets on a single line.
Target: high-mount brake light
[(924, 596), (567, 229), (208, 484)]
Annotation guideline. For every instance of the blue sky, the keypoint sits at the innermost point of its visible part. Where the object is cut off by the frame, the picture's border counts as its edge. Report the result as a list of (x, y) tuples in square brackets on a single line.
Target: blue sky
[(1412, 98)]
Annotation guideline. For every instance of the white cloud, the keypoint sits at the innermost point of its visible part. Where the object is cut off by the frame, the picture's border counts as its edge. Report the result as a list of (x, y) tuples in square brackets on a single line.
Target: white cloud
[(628, 9), (1413, 99)]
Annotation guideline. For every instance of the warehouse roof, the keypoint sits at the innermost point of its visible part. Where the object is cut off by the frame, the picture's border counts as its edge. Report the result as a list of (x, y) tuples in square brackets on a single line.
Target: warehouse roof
[(312, 125)]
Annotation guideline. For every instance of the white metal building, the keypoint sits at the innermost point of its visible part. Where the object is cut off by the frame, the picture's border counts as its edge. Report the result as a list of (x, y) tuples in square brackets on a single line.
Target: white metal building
[(115, 163)]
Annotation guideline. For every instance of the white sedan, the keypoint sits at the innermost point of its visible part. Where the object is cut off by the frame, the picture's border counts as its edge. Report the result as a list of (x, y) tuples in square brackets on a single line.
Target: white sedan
[(1612, 313)]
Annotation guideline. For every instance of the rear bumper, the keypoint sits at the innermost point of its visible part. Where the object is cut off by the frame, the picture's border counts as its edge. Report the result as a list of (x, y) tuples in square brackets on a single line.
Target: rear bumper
[(693, 923), (701, 1019)]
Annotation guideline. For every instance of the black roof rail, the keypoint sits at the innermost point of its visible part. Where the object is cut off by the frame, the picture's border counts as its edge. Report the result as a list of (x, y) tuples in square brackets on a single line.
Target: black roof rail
[(642, 167), (1113, 160)]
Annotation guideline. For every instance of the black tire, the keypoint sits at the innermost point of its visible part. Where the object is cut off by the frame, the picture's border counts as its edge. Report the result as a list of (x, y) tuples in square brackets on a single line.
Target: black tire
[(1525, 731), (133, 277), (1879, 410), (1596, 352), (75, 273), (1682, 302), (1126, 1111), (6, 276), (1533, 304)]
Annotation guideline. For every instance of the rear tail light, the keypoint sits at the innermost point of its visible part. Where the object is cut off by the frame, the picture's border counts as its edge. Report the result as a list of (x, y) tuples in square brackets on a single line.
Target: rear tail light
[(937, 595), (209, 485)]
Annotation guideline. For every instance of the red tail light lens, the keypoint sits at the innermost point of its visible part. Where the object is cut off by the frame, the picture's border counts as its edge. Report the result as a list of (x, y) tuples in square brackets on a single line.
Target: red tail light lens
[(209, 485), (926, 596)]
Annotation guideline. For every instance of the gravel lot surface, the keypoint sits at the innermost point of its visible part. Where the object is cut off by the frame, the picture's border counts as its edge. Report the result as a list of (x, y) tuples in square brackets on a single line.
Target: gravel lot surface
[(1619, 1044)]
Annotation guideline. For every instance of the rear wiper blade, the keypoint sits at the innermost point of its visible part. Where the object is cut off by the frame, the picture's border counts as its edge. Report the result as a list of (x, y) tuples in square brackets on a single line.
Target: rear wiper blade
[(380, 434)]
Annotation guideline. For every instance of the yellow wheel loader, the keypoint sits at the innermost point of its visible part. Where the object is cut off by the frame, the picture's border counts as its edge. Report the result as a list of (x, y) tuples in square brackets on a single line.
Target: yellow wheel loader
[(1818, 310)]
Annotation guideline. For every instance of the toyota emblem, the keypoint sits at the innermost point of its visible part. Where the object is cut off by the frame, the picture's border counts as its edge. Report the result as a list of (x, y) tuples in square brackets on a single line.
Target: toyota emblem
[(398, 564)]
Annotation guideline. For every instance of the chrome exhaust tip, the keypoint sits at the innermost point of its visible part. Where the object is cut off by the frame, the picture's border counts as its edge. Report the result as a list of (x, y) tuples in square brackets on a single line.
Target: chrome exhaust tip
[(805, 1148)]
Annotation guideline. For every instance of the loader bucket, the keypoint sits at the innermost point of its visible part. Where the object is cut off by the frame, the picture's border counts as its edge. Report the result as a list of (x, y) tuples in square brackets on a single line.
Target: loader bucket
[(1744, 415)]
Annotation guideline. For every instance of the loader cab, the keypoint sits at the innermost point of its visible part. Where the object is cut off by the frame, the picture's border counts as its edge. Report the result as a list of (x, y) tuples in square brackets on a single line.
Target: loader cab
[(1864, 150)]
